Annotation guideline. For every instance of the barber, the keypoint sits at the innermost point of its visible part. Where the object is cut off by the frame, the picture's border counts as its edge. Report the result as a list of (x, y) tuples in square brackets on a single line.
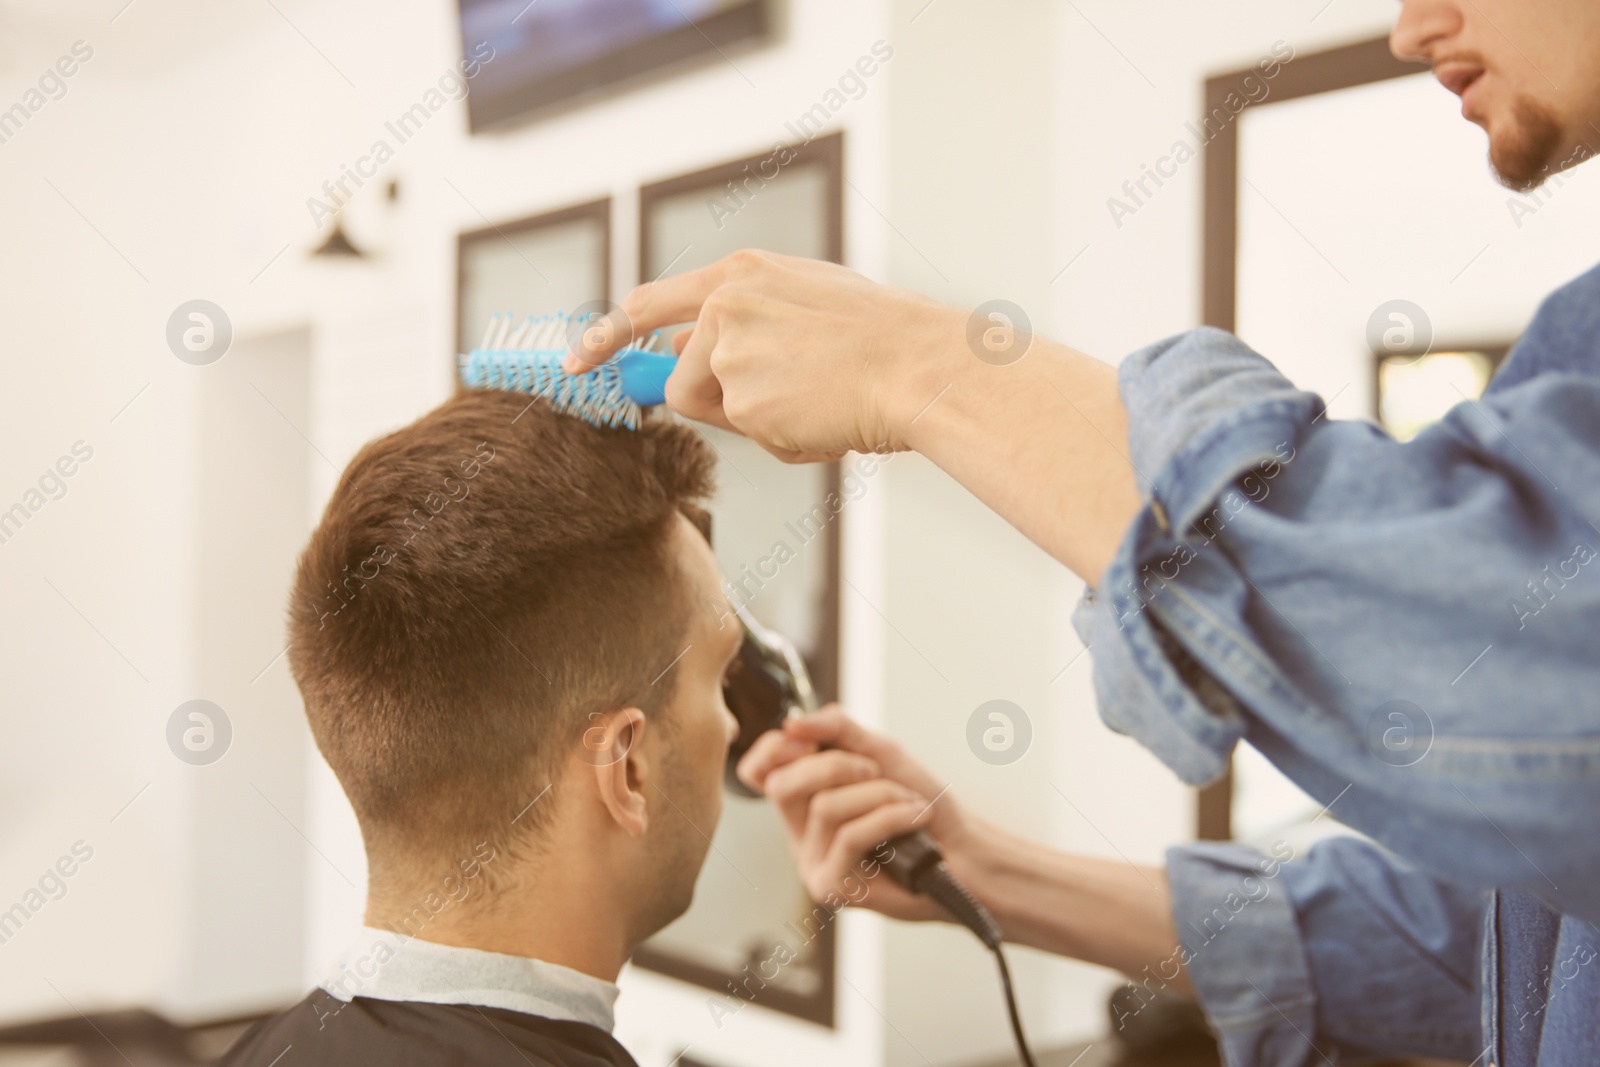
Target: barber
[(1258, 572)]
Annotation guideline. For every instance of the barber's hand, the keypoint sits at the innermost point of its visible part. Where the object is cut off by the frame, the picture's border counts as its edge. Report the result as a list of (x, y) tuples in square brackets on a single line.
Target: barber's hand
[(808, 359), (840, 803)]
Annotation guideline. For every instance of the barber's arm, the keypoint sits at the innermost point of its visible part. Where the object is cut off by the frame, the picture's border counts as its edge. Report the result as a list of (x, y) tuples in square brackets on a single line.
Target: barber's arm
[(838, 804), (812, 360), (1346, 951), (1363, 610)]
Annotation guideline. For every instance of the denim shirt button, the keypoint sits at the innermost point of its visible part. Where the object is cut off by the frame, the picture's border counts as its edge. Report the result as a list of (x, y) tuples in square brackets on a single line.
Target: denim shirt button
[(1160, 515)]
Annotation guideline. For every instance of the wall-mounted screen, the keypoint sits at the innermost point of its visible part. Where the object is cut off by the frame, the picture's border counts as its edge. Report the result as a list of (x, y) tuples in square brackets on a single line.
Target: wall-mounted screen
[(549, 52)]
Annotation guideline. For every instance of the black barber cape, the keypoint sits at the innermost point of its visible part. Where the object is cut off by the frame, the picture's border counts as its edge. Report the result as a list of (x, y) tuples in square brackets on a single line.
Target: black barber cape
[(323, 1030)]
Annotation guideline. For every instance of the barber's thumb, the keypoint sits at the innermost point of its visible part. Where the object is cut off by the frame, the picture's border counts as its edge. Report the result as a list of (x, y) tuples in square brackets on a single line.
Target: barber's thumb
[(828, 725)]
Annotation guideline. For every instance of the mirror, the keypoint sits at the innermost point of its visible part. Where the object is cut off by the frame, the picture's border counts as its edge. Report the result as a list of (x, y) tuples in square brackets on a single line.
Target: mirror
[(555, 262), (776, 534)]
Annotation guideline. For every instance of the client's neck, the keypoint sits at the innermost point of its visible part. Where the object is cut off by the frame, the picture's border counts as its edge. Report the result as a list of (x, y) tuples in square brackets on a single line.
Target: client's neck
[(568, 914)]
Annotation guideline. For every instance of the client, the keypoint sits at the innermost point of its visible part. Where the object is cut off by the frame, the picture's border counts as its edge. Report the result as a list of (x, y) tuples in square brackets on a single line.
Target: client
[(500, 633)]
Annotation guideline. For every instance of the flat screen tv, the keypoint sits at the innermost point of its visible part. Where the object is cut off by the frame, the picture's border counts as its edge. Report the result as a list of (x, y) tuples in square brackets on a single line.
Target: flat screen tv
[(550, 52)]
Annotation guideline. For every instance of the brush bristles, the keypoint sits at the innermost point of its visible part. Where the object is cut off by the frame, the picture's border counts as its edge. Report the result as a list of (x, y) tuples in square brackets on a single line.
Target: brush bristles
[(527, 358)]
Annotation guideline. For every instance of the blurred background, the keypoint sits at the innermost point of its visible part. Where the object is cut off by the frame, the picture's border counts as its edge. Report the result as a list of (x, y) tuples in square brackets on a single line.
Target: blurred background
[(243, 238)]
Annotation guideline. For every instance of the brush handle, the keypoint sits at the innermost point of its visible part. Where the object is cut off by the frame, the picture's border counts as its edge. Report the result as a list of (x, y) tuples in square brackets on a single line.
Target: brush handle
[(644, 376)]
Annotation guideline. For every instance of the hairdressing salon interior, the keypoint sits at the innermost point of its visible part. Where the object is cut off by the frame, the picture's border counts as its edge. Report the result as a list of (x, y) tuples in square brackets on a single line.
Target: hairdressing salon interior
[(335, 196)]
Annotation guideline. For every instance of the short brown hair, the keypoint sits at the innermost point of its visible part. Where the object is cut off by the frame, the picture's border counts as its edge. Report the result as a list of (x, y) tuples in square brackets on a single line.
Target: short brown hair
[(481, 581)]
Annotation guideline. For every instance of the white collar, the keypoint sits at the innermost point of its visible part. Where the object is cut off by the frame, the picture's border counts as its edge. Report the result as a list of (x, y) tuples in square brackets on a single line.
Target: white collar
[(386, 966)]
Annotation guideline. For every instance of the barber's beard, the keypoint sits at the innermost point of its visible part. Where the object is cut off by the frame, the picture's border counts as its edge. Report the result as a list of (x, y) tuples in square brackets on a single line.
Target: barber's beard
[(1526, 156)]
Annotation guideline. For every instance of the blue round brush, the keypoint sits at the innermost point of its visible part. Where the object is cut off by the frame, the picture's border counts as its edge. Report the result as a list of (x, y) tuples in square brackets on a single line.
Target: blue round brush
[(527, 359)]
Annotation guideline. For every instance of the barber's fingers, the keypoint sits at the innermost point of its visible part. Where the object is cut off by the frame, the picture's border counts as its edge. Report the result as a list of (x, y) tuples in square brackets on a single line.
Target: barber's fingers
[(830, 810), (770, 751), (669, 301), (798, 788), (809, 773), (790, 456), (693, 390), (775, 749), (862, 836), (852, 866), (832, 728), (679, 298), (649, 307)]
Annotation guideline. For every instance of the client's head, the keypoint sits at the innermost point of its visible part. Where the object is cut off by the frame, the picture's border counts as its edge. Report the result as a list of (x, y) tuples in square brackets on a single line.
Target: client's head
[(499, 631)]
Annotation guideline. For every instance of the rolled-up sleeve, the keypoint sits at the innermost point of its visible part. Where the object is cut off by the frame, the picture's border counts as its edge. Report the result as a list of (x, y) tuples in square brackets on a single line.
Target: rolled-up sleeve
[(1346, 953), (1405, 629)]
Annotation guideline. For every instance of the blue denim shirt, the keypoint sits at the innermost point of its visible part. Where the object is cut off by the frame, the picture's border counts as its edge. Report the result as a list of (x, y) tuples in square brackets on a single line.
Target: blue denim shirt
[(1411, 632)]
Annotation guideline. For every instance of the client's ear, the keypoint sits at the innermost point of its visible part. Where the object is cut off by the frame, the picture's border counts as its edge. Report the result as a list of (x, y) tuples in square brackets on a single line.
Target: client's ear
[(614, 747)]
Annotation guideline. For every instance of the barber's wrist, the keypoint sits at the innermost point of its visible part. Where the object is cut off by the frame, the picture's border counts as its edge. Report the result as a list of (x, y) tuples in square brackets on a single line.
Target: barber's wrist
[(928, 363), (1022, 883), (1112, 913), (988, 861)]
